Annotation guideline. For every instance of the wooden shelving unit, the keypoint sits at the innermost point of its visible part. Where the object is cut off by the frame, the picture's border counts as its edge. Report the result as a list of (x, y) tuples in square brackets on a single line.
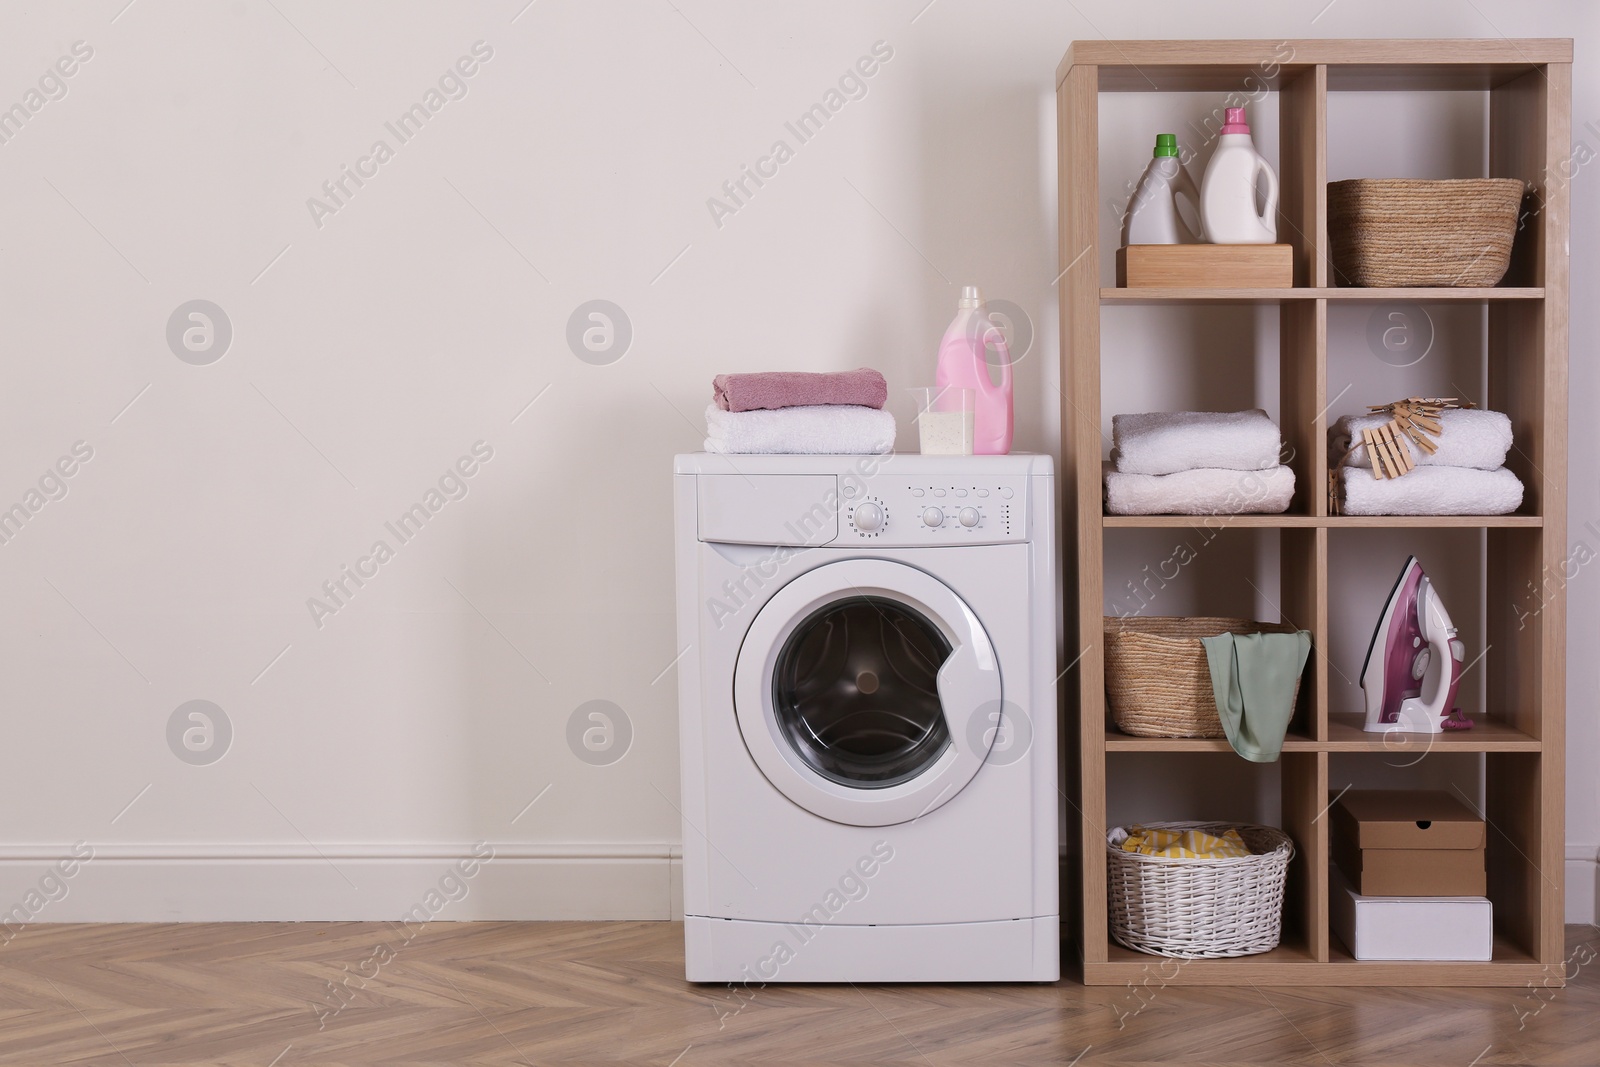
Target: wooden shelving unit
[(1529, 87)]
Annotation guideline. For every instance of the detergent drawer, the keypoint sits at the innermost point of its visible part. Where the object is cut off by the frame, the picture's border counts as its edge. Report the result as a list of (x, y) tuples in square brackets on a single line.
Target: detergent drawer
[(800, 510)]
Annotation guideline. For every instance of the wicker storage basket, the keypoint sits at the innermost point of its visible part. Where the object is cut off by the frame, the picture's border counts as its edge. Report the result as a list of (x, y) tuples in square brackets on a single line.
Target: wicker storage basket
[(1407, 232), (1157, 680), (1197, 908)]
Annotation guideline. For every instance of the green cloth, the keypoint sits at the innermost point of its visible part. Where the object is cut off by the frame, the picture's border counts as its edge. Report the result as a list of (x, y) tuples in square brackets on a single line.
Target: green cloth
[(1253, 677)]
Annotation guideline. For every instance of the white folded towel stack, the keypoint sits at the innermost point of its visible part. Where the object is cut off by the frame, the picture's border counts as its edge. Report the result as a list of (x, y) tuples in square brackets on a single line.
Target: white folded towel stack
[(1202, 491), (1166, 442), (1466, 475), (1196, 463), (1430, 491), (1468, 437), (822, 429)]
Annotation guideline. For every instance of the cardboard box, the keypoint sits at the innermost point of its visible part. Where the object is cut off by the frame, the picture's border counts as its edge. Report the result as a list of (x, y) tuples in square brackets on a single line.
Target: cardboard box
[(1406, 872), (1409, 843), (1411, 928), (1206, 266)]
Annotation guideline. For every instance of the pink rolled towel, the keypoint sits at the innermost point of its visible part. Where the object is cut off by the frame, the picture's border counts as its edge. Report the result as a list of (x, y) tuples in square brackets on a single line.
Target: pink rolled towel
[(794, 389)]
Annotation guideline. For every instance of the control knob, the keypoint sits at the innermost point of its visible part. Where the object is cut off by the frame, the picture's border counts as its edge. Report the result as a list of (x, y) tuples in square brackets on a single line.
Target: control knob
[(933, 517), (868, 517), (969, 517)]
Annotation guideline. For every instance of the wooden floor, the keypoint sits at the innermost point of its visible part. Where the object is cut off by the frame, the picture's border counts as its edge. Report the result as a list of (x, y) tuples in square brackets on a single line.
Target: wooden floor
[(570, 993)]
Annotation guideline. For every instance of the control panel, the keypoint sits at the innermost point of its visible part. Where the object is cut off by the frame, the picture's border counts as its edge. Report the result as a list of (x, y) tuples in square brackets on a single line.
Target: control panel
[(915, 512)]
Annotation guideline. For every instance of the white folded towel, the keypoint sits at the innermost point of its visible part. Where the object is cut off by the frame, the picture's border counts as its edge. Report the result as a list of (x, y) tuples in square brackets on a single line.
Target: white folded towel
[(1205, 491), (822, 429), (1430, 491), (1166, 442), (1467, 438)]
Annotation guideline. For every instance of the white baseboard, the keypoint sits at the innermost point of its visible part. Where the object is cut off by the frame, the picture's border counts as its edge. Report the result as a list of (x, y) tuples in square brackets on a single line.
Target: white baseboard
[(379, 883), (1583, 874), (232, 883)]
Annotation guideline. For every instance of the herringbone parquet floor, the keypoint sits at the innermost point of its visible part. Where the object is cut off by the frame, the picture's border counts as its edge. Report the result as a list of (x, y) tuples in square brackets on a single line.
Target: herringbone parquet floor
[(613, 993)]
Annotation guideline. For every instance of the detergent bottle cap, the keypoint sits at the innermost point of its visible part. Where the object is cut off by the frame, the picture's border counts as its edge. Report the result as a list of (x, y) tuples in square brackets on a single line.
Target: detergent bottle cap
[(1166, 145), (970, 297), (1236, 121)]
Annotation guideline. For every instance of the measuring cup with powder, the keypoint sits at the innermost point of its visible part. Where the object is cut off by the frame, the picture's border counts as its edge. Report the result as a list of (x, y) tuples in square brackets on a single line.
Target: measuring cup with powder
[(944, 420)]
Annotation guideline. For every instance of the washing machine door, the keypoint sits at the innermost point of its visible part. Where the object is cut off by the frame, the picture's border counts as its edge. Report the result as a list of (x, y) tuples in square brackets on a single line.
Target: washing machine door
[(862, 690)]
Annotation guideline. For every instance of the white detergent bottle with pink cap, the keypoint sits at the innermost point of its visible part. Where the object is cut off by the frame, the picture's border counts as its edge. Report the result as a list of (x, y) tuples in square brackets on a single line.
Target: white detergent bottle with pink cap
[(1228, 190), (964, 364)]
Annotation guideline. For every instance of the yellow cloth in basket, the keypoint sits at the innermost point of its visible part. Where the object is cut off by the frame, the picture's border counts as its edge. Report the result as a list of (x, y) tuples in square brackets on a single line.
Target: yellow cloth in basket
[(1185, 844)]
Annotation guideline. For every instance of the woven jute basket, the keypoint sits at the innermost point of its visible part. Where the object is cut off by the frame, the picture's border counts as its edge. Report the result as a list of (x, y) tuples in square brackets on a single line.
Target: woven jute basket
[(1158, 682), (1387, 232), (1197, 908)]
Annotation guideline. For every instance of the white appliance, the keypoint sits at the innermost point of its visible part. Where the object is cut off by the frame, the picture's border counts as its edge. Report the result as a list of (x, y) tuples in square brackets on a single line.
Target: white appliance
[(868, 718)]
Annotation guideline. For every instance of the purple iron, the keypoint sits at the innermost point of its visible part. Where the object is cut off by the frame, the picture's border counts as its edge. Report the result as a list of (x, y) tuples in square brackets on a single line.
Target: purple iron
[(1414, 662)]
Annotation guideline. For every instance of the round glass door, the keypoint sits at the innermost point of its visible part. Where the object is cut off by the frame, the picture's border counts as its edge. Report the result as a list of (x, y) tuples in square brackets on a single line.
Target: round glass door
[(856, 691), (857, 688)]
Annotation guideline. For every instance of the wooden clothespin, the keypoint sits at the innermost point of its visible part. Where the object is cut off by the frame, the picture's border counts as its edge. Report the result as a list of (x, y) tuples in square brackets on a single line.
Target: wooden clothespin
[(1414, 420)]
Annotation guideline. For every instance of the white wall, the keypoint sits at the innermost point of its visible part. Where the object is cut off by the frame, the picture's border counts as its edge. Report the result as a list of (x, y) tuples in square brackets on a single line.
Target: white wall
[(373, 347)]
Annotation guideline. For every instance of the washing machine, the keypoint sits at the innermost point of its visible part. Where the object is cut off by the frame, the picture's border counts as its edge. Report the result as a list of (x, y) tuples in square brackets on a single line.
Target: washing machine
[(868, 718)]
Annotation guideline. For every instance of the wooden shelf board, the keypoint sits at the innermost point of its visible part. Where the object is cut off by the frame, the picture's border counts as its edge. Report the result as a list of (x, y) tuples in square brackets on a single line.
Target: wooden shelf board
[(1425, 296), (1346, 735), (1487, 735), (1357, 522), (1293, 965), (1247, 65), (1116, 741), (1333, 522), (1146, 296), (1287, 953), (1209, 522), (1443, 77), (1195, 77)]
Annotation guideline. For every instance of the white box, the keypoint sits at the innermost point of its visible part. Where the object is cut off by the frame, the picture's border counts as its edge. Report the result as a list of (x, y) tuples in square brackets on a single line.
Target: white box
[(1411, 928)]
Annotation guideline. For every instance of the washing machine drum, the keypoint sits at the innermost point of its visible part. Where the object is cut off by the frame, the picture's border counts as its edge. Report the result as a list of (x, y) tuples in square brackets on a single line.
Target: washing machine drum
[(856, 690), (867, 692)]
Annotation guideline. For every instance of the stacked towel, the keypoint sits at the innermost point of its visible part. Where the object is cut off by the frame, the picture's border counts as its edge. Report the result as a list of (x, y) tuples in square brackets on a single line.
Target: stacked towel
[(838, 414), (1203, 491), (1430, 491), (1166, 442), (820, 429), (1196, 463), (1468, 437), (1466, 476), (772, 390)]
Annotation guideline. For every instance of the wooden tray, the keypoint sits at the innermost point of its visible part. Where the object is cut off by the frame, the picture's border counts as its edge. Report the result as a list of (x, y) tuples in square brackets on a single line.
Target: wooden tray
[(1205, 266)]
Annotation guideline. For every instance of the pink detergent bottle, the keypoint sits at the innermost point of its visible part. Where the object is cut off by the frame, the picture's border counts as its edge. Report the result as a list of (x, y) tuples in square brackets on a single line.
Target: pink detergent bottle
[(964, 365)]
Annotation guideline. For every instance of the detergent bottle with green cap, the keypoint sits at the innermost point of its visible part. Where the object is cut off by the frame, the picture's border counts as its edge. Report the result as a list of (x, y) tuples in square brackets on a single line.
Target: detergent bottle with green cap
[(1153, 217)]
